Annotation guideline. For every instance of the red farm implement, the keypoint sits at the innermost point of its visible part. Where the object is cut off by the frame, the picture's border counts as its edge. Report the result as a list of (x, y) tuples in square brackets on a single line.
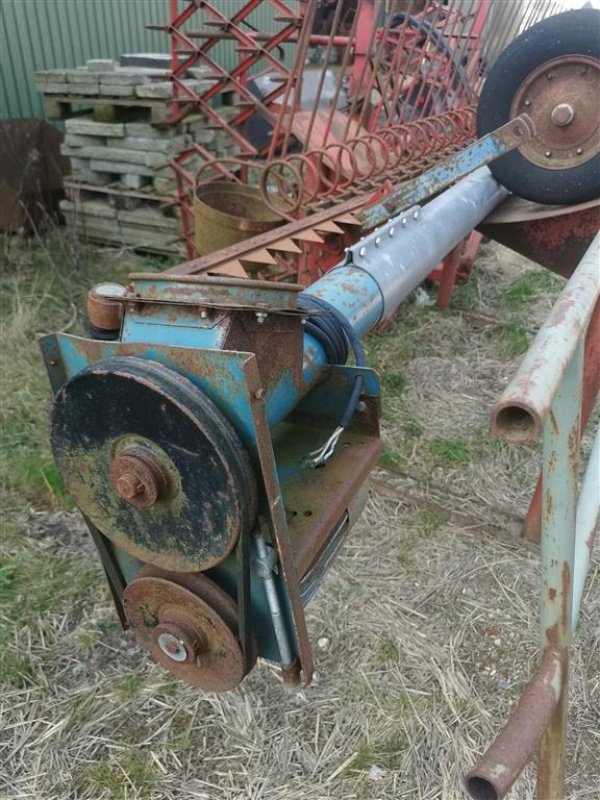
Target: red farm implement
[(324, 103)]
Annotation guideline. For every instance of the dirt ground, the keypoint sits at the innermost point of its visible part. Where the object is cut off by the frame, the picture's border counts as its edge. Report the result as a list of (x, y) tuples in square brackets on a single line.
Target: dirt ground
[(425, 630)]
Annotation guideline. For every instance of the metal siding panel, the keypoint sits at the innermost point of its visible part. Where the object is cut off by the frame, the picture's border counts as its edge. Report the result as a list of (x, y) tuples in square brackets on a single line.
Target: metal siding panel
[(47, 34)]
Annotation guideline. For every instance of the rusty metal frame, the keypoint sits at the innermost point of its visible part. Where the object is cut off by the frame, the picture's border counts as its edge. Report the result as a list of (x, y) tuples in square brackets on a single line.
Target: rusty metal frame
[(366, 211), (543, 401)]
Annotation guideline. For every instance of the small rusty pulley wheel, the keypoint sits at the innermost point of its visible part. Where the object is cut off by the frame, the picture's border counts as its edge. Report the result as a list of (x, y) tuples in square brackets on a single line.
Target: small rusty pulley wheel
[(189, 625), (104, 307), (153, 463), (552, 73)]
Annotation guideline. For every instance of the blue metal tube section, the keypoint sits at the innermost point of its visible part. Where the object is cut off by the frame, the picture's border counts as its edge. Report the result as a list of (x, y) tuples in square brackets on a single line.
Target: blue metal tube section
[(382, 269), (399, 255)]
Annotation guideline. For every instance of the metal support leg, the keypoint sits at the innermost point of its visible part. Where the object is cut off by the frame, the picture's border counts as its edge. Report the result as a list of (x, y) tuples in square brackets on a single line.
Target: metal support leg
[(559, 503), (591, 386)]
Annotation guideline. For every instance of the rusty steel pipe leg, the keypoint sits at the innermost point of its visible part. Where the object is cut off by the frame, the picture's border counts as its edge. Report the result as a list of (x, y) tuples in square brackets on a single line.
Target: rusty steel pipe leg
[(559, 507), (503, 762), (532, 525)]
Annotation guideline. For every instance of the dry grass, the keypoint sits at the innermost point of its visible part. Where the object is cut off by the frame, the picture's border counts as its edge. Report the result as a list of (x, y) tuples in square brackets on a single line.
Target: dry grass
[(424, 632)]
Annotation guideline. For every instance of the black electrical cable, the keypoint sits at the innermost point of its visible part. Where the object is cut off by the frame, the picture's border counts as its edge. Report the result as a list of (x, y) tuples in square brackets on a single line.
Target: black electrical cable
[(336, 336)]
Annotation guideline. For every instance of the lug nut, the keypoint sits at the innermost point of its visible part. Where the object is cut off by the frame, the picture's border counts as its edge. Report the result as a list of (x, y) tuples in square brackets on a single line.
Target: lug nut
[(138, 478), (548, 154), (129, 486), (562, 115), (579, 151)]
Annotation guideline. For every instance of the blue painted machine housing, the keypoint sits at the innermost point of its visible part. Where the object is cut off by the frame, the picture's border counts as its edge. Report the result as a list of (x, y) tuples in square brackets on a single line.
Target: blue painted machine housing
[(282, 400)]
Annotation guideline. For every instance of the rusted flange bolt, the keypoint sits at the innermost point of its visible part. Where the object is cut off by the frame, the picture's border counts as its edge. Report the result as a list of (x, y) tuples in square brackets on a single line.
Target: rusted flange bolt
[(562, 115), (138, 478)]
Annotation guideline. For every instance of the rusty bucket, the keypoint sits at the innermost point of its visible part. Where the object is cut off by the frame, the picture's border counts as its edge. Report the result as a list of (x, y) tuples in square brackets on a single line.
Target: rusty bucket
[(227, 213)]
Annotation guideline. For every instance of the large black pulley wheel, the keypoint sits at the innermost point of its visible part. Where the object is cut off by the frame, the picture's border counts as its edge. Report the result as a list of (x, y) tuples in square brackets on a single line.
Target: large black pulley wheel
[(552, 73), (153, 463)]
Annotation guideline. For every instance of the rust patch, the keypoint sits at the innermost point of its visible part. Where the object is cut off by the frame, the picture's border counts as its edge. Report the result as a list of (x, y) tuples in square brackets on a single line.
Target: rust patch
[(549, 503), (573, 446), (552, 594), (553, 635), (566, 592)]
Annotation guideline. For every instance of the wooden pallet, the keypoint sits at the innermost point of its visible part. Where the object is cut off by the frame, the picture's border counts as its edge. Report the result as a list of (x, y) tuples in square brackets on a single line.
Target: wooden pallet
[(107, 109), (78, 188)]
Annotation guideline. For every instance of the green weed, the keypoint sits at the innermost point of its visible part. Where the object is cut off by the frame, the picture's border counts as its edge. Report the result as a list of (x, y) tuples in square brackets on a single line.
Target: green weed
[(527, 287), (429, 521), (385, 754), (16, 670), (466, 297), (43, 285), (393, 383), (451, 451), (514, 339), (115, 779), (34, 584), (387, 649), (129, 687), (411, 427)]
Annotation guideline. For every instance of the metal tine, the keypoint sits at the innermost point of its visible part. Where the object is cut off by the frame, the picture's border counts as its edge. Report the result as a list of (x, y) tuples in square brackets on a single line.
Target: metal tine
[(394, 80), (348, 219), (453, 32), (401, 77), (308, 235), (384, 82), (374, 77), (377, 4), (441, 16), (342, 75), (433, 22), (424, 49), (295, 72), (328, 227), (262, 256), (463, 46), (326, 62)]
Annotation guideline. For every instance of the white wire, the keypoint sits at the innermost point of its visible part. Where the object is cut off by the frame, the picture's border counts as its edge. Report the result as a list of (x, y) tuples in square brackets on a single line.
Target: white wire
[(324, 453)]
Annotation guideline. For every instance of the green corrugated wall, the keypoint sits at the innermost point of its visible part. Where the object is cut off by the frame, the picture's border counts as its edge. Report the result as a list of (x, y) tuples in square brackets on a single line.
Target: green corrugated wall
[(48, 34)]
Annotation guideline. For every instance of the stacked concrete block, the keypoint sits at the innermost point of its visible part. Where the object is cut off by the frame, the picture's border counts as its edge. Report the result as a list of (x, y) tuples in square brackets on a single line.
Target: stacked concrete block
[(105, 78), (134, 154), (119, 156), (145, 228)]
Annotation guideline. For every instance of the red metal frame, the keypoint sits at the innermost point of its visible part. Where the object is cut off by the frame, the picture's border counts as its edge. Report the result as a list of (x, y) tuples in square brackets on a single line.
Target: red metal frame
[(405, 83)]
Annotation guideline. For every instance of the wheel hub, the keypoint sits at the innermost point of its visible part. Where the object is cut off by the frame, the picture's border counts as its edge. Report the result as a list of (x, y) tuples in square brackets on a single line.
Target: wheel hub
[(138, 478), (562, 98), (189, 625)]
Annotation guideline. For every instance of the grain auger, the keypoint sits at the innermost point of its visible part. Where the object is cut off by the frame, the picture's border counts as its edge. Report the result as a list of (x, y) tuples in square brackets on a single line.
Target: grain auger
[(211, 430)]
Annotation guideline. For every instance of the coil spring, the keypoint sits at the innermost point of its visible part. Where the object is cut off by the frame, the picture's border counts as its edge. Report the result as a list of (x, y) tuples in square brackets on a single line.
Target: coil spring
[(300, 179)]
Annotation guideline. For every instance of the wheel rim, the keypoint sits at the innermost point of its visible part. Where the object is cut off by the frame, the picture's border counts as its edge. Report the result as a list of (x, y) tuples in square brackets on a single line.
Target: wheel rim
[(561, 96)]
